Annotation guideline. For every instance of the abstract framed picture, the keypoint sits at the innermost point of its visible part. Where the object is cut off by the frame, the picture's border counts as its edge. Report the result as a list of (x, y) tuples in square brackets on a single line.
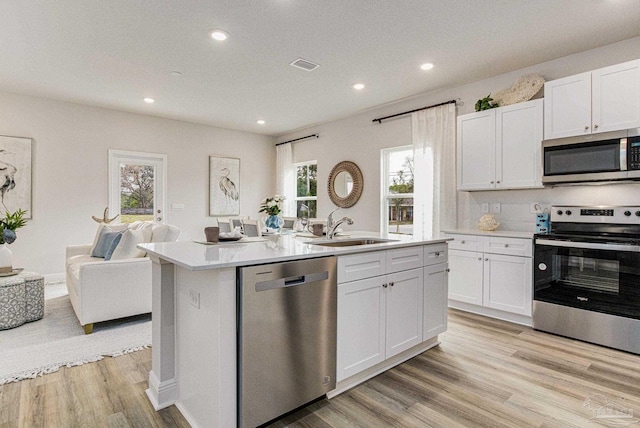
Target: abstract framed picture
[(224, 186), (15, 174)]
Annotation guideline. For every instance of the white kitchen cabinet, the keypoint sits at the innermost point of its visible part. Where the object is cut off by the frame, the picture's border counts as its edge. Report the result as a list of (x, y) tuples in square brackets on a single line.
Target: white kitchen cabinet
[(492, 272), (382, 316), (607, 99), (434, 314), (501, 148)]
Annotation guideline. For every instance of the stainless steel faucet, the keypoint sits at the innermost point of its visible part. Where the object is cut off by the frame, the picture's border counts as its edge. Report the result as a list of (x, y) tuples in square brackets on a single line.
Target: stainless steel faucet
[(331, 231), (330, 218)]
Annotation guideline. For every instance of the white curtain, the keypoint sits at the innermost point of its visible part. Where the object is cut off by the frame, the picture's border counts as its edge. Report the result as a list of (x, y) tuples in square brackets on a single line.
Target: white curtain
[(434, 152), (285, 178)]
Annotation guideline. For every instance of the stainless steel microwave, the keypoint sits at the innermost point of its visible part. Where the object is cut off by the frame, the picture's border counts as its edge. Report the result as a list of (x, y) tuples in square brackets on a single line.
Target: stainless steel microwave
[(608, 156)]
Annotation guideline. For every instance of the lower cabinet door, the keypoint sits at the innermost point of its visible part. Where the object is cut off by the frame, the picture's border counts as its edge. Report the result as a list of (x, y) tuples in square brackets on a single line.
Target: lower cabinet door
[(465, 276), (404, 294), (435, 301), (507, 283), (361, 326)]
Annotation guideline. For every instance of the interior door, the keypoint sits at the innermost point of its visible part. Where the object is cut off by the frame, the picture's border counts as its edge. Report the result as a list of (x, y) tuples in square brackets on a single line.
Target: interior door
[(137, 186)]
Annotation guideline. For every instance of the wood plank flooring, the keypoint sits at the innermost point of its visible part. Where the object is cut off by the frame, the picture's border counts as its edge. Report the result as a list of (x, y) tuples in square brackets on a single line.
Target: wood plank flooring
[(485, 373)]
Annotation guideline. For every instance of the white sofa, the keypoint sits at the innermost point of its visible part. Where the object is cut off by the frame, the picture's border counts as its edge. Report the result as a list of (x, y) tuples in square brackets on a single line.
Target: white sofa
[(102, 290)]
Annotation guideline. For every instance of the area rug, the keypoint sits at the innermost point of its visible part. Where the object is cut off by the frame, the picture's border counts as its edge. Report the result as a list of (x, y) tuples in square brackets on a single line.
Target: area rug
[(58, 340)]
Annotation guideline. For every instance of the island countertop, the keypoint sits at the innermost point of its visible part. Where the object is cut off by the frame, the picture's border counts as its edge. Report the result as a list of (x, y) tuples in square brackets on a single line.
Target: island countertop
[(270, 249)]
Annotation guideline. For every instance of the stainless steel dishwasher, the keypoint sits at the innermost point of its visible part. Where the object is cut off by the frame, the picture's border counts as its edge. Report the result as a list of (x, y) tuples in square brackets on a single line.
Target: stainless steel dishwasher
[(286, 337)]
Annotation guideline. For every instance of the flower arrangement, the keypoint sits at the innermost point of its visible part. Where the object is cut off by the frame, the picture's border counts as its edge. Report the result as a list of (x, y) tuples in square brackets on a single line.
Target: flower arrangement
[(9, 224), (271, 206)]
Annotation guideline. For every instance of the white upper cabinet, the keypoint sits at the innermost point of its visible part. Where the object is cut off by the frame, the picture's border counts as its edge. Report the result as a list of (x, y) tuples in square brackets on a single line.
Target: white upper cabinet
[(607, 99), (501, 148)]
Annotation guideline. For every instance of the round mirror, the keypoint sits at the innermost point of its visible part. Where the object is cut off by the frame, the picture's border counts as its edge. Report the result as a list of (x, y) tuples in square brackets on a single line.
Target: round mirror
[(345, 184)]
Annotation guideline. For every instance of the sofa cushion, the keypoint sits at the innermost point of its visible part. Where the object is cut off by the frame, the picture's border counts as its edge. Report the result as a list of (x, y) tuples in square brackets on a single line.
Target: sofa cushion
[(75, 262), (106, 243), (106, 228), (160, 232), (127, 247)]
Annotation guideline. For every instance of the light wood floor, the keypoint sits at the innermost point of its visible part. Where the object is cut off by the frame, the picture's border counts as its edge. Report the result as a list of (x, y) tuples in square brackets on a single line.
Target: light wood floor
[(484, 373)]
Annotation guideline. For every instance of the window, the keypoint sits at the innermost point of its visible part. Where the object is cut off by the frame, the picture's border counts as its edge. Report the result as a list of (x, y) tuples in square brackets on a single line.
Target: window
[(136, 186), (397, 190), (306, 189)]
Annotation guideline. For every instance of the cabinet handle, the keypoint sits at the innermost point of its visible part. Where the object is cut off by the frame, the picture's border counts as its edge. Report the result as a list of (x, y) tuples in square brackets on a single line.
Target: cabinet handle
[(492, 182), (586, 127), (384, 285), (447, 270), (498, 181), (479, 258), (462, 242), (391, 283), (437, 253), (595, 126), (486, 260), (506, 245)]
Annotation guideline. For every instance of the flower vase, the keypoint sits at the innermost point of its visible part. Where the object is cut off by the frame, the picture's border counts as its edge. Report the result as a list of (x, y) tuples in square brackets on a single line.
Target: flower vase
[(6, 262), (274, 222)]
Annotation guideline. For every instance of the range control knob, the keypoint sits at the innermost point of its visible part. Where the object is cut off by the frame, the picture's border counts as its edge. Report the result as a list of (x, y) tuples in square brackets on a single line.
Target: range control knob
[(637, 213), (627, 213), (559, 212), (568, 212)]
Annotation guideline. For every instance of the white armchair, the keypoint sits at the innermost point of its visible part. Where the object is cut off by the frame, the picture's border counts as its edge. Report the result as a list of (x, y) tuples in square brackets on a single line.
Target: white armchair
[(102, 290)]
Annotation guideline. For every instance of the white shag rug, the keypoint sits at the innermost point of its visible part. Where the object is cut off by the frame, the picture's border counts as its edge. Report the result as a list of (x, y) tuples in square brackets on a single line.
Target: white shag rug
[(58, 340)]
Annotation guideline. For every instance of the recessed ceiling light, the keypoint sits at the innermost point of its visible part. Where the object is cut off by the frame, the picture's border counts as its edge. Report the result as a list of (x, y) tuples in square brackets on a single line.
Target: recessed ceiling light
[(260, 122), (358, 86), (149, 100), (219, 34), (426, 66)]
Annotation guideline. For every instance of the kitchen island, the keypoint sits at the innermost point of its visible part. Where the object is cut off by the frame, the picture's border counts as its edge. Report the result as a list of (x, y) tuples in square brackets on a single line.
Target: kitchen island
[(194, 313)]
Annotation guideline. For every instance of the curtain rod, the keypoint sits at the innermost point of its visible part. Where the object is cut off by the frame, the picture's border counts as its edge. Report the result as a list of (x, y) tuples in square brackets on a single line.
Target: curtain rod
[(298, 139), (379, 120)]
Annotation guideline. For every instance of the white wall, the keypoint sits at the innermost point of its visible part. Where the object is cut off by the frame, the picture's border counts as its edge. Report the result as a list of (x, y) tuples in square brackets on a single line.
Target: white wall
[(69, 152), (357, 139)]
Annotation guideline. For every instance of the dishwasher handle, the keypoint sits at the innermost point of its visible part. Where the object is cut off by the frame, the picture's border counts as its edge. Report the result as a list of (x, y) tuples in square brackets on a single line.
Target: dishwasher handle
[(291, 281)]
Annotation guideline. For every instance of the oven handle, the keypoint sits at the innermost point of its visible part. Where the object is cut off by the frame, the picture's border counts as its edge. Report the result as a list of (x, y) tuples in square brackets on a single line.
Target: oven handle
[(589, 245)]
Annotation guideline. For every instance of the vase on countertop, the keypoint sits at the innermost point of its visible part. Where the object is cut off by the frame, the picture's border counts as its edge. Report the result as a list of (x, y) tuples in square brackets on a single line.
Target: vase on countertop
[(6, 259), (273, 222)]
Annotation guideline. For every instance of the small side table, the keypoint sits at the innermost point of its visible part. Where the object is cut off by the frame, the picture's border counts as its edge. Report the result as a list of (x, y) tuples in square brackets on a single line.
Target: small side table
[(21, 299)]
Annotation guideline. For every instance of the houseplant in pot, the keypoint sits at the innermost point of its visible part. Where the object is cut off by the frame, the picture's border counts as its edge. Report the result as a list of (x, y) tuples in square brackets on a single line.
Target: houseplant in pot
[(271, 207), (8, 226)]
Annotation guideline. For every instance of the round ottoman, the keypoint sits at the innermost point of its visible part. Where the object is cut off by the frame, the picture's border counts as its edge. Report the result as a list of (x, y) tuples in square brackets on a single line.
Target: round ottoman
[(33, 296), (12, 302)]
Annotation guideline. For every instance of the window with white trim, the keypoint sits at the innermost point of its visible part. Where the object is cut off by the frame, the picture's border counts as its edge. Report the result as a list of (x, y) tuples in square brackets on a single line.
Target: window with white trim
[(306, 199), (397, 190)]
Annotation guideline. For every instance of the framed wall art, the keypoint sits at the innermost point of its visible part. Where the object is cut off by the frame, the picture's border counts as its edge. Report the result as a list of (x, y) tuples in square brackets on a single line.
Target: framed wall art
[(15, 174), (224, 186)]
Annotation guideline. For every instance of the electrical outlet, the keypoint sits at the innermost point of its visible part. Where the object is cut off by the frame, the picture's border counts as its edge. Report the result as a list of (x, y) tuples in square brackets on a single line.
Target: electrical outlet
[(534, 208), (194, 298), (495, 207), (485, 207)]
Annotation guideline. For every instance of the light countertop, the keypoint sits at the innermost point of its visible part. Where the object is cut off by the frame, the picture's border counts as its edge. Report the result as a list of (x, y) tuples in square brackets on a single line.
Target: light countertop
[(272, 249), (499, 233)]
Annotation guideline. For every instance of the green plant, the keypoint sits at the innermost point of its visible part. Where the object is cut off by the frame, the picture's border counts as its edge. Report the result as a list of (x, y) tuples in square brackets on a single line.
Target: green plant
[(485, 103), (9, 224), (271, 206)]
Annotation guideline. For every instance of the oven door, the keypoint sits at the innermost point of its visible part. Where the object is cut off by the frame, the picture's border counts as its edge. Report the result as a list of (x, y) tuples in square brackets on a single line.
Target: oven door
[(592, 276)]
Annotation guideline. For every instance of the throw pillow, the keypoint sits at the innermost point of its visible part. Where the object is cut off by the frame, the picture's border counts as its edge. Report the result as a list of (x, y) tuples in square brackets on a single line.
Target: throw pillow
[(113, 246), (106, 228), (127, 249), (160, 232), (104, 243)]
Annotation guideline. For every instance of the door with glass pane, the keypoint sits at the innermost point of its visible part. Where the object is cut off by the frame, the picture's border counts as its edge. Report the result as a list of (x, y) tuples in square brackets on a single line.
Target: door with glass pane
[(137, 186)]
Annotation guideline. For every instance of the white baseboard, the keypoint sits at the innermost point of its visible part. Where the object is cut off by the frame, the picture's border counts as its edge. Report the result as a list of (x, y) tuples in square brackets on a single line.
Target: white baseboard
[(491, 313), (54, 277)]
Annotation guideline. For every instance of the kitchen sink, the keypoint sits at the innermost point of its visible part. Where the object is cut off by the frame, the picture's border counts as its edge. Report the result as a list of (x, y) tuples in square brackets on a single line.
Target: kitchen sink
[(352, 242)]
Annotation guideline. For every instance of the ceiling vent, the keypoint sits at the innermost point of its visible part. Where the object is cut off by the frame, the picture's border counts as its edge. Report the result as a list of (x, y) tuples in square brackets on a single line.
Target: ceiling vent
[(304, 64)]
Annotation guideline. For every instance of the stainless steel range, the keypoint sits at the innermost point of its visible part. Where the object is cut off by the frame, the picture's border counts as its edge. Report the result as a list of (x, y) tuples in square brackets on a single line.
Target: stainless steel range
[(587, 275)]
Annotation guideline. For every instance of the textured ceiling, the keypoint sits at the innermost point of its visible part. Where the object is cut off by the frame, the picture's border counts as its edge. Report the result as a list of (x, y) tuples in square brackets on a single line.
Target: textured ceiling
[(113, 53)]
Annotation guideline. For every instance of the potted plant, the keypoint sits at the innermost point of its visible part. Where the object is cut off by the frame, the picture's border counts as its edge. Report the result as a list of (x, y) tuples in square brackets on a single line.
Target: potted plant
[(8, 226), (271, 206)]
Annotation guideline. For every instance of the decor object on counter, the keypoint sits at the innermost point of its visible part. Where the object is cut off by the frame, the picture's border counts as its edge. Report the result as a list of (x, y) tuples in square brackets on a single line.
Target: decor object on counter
[(522, 90), (212, 233), (15, 173), (105, 217), (488, 222), (345, 184), (224, 186), (486, 104), (8, 226), (272, 207)]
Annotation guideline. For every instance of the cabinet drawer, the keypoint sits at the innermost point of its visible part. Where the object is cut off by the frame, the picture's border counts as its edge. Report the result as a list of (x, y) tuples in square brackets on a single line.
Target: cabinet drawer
[(465, 242), (404, 259), (434, 254), (508, 246), (360, 266)]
